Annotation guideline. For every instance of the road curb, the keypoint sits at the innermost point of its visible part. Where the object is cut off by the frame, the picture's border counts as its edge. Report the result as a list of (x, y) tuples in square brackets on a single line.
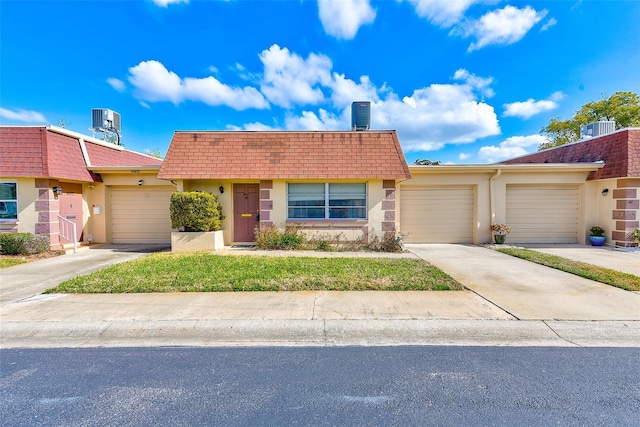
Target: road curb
[(215, 333)]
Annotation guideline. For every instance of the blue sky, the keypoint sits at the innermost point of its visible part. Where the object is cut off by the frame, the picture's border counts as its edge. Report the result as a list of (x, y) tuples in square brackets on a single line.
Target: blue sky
[(461, 81)]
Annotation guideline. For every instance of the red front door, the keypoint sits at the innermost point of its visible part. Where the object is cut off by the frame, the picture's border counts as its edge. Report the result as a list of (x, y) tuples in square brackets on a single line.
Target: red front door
[(71, 209), (245, 211)]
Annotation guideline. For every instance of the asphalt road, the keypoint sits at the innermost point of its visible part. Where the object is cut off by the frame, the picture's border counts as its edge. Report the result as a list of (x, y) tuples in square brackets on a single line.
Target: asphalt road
[(311, 386)]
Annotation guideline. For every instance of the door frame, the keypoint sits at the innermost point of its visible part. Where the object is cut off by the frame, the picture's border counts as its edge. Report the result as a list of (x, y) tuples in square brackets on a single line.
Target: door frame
[(256, 214)]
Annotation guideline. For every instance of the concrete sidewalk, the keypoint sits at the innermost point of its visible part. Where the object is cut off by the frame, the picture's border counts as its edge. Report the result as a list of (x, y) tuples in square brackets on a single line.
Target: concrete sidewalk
[(512, 302)]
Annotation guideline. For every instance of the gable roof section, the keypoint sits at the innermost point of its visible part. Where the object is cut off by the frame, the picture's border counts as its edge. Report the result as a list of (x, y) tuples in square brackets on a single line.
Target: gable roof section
[(620, 151), (51, 152), (285, 154)]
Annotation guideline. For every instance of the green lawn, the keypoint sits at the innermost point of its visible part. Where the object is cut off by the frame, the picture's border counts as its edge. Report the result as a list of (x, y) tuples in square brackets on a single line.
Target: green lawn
[(10, 262), (207, 272), (588, 271)]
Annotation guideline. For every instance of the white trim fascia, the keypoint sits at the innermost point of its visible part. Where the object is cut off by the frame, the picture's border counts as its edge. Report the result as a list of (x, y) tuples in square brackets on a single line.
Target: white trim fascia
[(520, 167), (130, 168), (77, 135)]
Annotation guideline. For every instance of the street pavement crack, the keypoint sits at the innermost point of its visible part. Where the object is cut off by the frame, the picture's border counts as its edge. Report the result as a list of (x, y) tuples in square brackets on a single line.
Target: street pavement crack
[(558, 335)]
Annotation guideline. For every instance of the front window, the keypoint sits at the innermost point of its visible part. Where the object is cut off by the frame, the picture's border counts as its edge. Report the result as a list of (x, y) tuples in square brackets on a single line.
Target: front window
[(327, 201), (8, 201)]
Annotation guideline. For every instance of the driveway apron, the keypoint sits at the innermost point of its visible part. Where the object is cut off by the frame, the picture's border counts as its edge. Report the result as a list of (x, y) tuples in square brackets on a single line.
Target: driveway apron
[(529, 291)]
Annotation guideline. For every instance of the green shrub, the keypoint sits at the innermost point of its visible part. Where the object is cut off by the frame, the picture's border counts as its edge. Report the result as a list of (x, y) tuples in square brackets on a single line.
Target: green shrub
[(23, 244), (274, 238), (635, 235), (390, 241), (195, 211)]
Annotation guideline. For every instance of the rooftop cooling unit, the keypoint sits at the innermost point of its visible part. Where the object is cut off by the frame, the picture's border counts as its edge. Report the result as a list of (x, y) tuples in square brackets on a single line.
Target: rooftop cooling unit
[(104, 119), (597, 129), (361, 115)]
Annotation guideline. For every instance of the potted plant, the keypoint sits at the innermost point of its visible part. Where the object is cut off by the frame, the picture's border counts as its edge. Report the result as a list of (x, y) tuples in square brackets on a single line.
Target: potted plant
[(597, 237), (500, 232)]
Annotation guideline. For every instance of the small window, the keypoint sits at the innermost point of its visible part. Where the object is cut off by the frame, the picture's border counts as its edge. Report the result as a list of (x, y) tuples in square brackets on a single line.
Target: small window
[(8, 201), (327, 201)]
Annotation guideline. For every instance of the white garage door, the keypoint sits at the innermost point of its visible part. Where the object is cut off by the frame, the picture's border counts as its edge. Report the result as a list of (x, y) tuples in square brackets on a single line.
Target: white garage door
[(437, 214), (542, 214), (140, 215)]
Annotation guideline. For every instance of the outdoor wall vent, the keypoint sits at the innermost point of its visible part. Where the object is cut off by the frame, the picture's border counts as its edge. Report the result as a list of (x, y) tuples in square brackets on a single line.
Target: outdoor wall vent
[(103, 119), (360, 115), (597, 128)]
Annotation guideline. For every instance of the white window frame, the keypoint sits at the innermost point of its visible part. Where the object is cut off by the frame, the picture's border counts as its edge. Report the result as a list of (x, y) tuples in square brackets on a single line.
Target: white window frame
[(3, 203), (327, 206)]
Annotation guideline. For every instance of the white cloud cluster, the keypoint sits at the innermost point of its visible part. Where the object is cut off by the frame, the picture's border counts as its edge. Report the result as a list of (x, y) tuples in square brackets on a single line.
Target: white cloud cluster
[(510, 147), (502, 27), (166, 3), (531, 107), (498, 27), (429, 118), (444, 13), (289, 79), (343, 18), (152, 82), (27, 116)]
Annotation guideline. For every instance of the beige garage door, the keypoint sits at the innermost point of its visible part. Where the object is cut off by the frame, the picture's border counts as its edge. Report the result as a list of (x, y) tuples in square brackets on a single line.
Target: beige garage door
[(437, 214), (140, 215), (542, 214)]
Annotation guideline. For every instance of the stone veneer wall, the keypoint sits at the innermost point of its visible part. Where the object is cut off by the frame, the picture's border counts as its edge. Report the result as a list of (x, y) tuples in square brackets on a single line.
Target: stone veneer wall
[(627, 213), (266, 203), (47, 207), (389, 206)]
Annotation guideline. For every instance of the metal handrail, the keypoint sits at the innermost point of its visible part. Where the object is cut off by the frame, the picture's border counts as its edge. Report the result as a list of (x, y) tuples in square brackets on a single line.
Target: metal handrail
[(65, 227)]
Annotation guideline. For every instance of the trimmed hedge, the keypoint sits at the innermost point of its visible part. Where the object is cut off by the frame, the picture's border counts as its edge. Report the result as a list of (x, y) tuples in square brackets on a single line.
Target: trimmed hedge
[(195, 211), (23, 244)]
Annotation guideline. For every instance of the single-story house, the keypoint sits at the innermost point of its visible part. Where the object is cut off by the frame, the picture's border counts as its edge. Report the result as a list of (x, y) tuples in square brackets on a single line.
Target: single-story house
[(356, 182), (51, 178), (347, 183), (331, 183)]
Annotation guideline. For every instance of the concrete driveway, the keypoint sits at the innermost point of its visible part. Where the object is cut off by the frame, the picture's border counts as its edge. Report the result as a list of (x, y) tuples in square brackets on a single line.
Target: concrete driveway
[(530, 291), (25, 280)]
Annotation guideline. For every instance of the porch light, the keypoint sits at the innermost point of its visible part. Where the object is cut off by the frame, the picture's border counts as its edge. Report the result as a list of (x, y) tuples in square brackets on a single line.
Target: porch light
[(605, 191), (57, 190), (221, 188)]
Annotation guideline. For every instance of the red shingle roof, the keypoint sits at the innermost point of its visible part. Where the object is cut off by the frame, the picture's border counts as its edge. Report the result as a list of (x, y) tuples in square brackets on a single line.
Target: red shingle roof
[(41, 153), (280, 154), (620, 152)]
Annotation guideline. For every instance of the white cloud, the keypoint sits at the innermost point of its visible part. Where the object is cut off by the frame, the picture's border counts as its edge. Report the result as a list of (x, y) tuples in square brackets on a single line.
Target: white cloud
[(289, 79), (510, 147), (343, 18), (550, 23), (436, 115), (22, 115), (166, 3), (480, 83), (117, 84), (154, 83), (444, 13), (464, 156), (310, 121), (531, 107), (256, 126), (499, 27)]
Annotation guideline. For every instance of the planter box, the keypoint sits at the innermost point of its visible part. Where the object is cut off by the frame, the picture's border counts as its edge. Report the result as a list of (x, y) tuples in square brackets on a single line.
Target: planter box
[(197, 241)]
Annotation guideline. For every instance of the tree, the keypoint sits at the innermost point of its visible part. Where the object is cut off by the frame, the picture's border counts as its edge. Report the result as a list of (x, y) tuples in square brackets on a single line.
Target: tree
[(426, 162), (622, 107), (153, 152)]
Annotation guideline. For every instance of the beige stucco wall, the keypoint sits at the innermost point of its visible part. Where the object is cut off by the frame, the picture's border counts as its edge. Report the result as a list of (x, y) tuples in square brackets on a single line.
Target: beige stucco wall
[(27, 215), (349, 230)]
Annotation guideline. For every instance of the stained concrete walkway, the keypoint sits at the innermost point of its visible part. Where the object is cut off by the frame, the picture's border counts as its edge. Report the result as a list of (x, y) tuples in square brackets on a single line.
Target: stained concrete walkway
[(511, 302)]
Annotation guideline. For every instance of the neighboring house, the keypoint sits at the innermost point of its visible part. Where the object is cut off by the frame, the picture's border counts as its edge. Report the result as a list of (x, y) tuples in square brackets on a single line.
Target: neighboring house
[(613, 190), (110, 193), (330, 183)]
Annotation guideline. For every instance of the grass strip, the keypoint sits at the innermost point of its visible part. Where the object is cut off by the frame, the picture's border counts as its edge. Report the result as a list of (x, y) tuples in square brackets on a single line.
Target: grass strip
[(10, 262), (604, 275), (207, 272)]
